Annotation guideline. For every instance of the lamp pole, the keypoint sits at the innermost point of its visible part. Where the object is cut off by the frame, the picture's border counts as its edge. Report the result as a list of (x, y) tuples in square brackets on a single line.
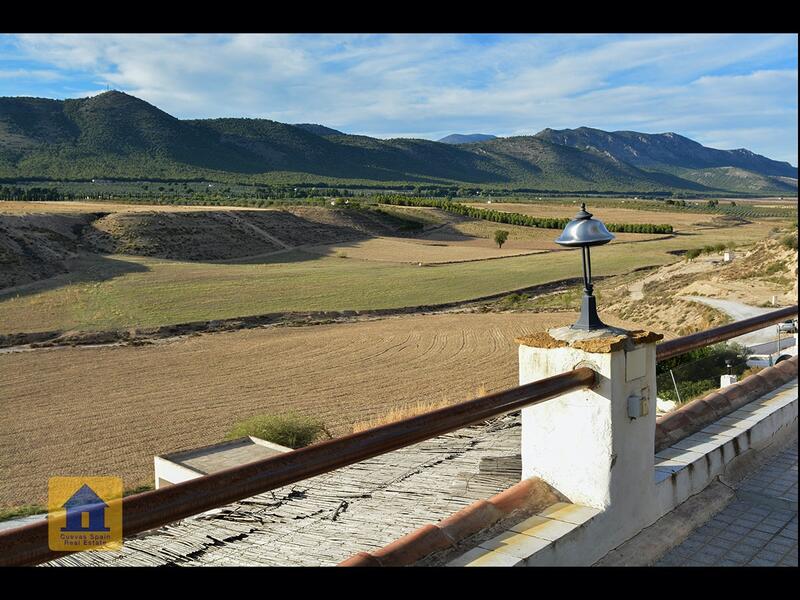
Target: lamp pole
[(584, 232)]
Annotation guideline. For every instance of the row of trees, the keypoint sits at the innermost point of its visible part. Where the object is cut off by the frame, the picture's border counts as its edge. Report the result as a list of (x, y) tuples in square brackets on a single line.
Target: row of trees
[(512, 218), (8, 192)]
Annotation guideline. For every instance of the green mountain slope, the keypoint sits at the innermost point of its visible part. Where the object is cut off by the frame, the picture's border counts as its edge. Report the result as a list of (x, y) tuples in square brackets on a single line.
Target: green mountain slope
[(115, 135), (738, 170)]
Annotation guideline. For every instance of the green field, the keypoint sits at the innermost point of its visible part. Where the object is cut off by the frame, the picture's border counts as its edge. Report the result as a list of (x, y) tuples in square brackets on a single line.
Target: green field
[(126, 291)]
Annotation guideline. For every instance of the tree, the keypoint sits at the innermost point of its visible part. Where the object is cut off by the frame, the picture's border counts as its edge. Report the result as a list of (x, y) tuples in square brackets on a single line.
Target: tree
[(500, 237)]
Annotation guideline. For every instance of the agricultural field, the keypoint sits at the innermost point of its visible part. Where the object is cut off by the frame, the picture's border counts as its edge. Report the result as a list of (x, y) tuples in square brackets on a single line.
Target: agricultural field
[(159, 285), (127, 267), (136, 401), (613, 212), (426, 252)]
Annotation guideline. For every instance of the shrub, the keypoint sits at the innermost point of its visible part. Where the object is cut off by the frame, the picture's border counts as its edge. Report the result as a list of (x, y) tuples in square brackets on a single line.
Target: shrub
[(693, 253), (789, 241), (689, 390), (287, 429)]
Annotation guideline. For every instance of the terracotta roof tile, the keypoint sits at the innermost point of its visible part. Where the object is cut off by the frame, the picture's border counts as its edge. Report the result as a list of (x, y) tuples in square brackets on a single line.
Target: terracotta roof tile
[(362, 559), (695, 415), (472, 519), (529, 495), (412, 547)]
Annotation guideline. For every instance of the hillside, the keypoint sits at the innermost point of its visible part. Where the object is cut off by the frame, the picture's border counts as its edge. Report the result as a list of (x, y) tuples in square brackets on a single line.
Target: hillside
[(757, 273), (318, 129), (739, 169), (458, 138), (117, 136), (37, 246)]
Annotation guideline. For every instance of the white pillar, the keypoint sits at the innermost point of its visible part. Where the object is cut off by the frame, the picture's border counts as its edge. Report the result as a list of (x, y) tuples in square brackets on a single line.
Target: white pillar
[(595, 446), (726, 380)]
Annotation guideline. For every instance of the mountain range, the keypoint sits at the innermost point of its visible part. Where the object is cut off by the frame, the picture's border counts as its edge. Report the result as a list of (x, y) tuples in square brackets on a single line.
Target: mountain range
[(116, 135), (458, 138)]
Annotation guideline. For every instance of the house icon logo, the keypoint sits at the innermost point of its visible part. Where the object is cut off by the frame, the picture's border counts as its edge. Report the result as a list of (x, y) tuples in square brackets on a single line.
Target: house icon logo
[(85, 513)]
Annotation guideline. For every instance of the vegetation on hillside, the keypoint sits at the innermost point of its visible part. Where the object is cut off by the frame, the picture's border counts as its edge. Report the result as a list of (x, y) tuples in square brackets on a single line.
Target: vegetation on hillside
[(117, 136), (698, 371)]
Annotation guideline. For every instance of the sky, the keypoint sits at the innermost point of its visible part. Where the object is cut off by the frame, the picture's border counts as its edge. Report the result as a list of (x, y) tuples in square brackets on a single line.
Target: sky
[(724, 91)]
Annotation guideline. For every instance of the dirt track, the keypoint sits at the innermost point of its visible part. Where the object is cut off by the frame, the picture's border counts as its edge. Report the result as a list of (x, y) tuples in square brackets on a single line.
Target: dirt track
[(107, 411)]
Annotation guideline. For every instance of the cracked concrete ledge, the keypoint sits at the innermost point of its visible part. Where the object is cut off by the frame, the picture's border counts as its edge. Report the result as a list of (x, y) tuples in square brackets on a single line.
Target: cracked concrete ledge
[(601, 341)]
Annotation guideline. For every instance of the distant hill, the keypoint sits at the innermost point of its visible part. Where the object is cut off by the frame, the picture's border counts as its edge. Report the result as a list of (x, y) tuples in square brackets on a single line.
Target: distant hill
[(673, 153), (115, 135), (318, 129), (458, 138)]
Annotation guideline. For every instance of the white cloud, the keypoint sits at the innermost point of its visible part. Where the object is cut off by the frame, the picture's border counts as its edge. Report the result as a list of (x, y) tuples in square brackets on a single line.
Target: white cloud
[(692, 84), (38, 74)]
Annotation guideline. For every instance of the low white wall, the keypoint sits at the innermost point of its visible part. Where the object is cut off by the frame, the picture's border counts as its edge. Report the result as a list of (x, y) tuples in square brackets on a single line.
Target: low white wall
[(171, 472), (706, 456)]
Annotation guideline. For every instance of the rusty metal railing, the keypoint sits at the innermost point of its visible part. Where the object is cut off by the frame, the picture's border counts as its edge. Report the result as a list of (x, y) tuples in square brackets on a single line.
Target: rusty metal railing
[(28, 545), (684, 344)]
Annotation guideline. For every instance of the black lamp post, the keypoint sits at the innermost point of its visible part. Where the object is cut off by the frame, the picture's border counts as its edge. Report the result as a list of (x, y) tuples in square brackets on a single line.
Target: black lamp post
[(584, 232)]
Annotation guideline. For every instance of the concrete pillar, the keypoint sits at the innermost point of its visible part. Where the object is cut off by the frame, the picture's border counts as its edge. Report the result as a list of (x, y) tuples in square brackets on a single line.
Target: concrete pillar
[(595, 446), (726, 380)]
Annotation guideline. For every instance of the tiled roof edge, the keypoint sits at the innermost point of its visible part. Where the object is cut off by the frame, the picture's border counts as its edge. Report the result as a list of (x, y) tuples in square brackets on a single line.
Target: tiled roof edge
[(697, 414), (532, 494)]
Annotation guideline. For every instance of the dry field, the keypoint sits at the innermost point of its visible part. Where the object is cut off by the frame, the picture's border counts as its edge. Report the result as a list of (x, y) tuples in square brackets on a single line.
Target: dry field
[(478, 232), (108, 410), (404, 250)]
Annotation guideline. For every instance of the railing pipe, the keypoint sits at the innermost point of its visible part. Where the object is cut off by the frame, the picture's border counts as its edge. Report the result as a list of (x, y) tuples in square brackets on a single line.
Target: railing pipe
[(684, 344), (28, 545)]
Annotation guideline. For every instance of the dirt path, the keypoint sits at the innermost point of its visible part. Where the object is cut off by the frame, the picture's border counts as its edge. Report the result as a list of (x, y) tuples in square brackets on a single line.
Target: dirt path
[(738, 312), (258, 231)]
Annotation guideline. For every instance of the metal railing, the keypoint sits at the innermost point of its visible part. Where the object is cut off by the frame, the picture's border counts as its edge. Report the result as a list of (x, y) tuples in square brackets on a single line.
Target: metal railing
[(687, 343), (28, 545)]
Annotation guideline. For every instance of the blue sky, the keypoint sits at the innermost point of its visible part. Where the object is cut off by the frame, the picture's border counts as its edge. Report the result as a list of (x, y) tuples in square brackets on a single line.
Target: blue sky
[(725, 91)]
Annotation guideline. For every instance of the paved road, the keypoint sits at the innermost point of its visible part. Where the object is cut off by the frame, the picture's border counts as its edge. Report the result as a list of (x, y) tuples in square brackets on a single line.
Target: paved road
[(757, 529), (738, 311)]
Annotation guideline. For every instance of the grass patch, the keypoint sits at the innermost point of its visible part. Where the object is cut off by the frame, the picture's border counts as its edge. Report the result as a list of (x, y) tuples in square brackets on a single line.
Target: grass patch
[(288, 429), (558, 301), (26, 510), (16, 512)]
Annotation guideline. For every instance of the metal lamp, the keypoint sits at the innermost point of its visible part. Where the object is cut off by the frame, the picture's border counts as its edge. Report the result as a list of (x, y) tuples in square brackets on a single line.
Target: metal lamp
[(584, 232)]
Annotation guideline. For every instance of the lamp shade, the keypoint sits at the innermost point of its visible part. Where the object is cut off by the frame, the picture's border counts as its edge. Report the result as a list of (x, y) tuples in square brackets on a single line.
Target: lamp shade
[(583, 230)]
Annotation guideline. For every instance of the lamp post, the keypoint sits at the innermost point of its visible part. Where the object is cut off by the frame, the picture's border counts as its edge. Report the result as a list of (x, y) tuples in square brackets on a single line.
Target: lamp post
[(584, 232)]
